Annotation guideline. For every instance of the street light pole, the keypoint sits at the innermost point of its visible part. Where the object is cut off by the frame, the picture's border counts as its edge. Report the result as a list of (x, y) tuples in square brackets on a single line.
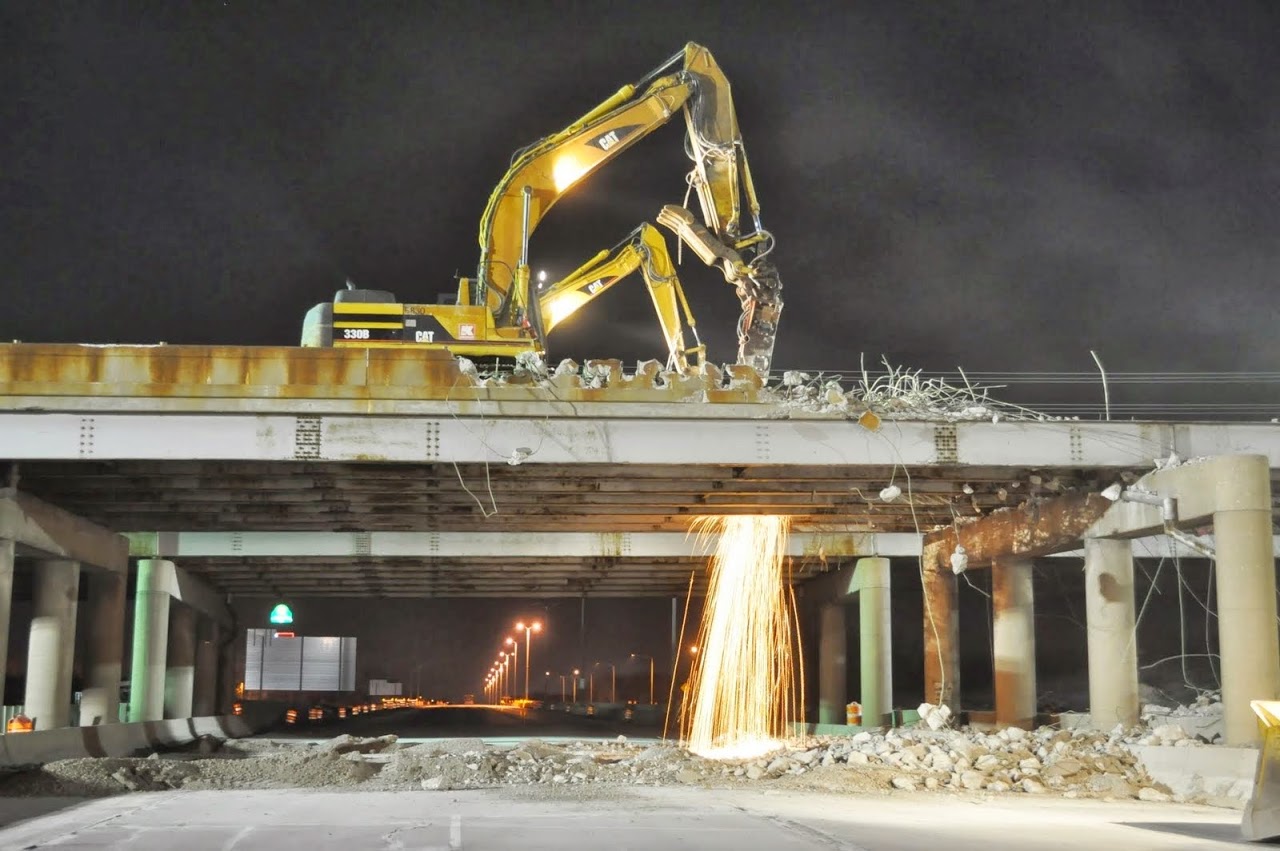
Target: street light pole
[(536, 626), (650, 658), (613, 680), (575, 686), (515, 674)]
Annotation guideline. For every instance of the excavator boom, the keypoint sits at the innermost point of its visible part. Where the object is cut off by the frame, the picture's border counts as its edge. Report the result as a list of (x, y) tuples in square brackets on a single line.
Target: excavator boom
[(503, 312), (644, 250)]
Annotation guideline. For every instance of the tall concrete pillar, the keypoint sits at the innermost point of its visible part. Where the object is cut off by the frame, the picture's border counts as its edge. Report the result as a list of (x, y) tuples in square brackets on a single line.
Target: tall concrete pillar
[(875, 645), (51, 648), (1113, 647), (1247, 639), (1014, 637), (832, 643), (6, 602), (150, 642), (180, 663), (204, 699), (941, 638), (104, 648)]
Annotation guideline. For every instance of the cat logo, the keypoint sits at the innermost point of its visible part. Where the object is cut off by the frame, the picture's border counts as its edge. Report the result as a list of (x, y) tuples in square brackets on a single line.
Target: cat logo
[(611, 139), (595, 287)]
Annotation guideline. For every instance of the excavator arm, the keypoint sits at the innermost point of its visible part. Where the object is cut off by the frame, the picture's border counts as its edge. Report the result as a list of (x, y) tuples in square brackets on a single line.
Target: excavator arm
[(644, 250), (543, 172), (497, 313)]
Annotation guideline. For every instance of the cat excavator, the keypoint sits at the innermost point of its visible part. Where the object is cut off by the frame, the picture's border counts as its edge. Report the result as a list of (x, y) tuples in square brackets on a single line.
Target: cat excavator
[(500, 313)]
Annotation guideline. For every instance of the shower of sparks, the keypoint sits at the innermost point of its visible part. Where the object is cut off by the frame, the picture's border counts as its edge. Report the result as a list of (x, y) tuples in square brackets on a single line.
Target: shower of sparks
[(746, 688)]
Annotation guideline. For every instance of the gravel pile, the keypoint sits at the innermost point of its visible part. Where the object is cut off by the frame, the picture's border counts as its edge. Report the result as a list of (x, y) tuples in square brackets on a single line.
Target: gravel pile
[(1013, 761)]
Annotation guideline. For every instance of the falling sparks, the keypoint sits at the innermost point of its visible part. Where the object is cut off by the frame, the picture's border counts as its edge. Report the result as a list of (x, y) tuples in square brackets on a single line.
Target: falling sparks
[(743, 690)]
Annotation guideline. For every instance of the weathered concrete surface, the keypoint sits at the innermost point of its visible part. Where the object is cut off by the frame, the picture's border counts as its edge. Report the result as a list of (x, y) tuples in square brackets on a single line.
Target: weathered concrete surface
[(1215, 772), (290, 372), (19, 749), (37, 525), (635, 818), (1036, 528)]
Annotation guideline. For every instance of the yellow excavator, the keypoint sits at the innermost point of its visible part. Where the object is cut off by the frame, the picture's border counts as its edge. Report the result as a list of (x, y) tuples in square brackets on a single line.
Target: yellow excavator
[(499, 313)]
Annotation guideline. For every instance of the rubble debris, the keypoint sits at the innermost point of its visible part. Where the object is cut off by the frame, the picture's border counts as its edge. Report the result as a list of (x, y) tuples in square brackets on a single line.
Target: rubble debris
[(916, 759)]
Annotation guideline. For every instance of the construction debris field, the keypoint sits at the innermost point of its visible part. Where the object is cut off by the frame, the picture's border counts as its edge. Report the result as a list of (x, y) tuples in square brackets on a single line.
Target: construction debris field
[(555, 780)]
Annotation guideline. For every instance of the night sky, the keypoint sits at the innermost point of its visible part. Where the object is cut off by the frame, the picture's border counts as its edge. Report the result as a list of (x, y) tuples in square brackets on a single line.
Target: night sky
[(996, 186)]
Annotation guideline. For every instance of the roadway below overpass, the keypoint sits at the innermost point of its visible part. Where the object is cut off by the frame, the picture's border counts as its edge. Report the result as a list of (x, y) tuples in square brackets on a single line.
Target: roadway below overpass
[(489, 723), (567, 783)]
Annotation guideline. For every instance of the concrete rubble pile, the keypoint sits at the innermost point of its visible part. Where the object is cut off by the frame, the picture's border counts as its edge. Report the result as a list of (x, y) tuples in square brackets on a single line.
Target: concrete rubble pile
[(1014, 761)]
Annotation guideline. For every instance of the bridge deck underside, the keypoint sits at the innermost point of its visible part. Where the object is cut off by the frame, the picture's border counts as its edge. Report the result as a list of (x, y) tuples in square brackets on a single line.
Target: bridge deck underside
[(157, 496)]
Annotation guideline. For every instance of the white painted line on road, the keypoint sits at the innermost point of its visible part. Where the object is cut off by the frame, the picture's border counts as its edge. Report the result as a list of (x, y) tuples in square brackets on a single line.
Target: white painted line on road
[(455, 833), (231, 843)]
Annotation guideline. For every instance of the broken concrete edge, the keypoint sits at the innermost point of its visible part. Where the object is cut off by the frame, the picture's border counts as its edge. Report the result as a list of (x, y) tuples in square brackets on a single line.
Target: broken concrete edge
[(1037, 528), (32, 373), (124, 740), (1222, 774)]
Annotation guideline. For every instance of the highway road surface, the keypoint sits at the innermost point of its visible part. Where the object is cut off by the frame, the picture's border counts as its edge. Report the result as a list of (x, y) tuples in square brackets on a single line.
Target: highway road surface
[(493, 724), (594, 816), (644, 819)]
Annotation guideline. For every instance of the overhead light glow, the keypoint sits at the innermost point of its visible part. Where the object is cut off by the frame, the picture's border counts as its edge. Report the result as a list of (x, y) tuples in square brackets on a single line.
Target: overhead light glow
[(281, 614), (566, 172)]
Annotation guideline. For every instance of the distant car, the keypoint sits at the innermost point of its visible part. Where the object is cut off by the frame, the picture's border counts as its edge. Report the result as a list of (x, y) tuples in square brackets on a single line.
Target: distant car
[(468, 699)]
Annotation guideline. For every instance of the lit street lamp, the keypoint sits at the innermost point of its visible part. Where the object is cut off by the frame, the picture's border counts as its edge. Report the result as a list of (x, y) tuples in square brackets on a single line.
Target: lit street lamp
[(515, 665), (528, 641), (576, 672), (650, 658)]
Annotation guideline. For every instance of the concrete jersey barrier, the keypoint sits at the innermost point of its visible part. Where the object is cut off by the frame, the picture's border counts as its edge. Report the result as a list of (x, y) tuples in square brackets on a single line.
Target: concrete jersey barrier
[(120, 740)]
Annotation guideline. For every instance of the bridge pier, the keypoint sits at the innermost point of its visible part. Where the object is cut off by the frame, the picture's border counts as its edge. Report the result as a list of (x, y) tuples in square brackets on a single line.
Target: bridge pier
[(204, 697), (180, 662), (1014, 640), (104, 648), (7, 550), (52, 642), (150, 642), (832, 664)]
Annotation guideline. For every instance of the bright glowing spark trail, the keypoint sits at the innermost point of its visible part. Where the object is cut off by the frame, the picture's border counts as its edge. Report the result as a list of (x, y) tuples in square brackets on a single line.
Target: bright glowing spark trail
[(743, 688)]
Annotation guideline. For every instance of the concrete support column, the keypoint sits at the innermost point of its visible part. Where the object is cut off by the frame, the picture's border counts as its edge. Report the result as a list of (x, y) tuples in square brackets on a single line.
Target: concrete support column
[(1113, 648), (104, 648), (51, 650), (875, 644), (150, 642), (941, 638), (832, 644), (180, 663), (1247, 639), (205, 696), (6, 602), (1014, 637)]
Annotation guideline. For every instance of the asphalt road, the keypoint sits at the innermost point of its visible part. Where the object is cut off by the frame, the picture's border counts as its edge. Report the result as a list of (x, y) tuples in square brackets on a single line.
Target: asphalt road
[(626, 818), (489, 723)]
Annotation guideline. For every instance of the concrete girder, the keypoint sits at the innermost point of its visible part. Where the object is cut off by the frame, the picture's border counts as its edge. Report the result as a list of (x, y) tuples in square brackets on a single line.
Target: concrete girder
[(45, 530), (179, 545), (1038, 528), (583, 439)]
